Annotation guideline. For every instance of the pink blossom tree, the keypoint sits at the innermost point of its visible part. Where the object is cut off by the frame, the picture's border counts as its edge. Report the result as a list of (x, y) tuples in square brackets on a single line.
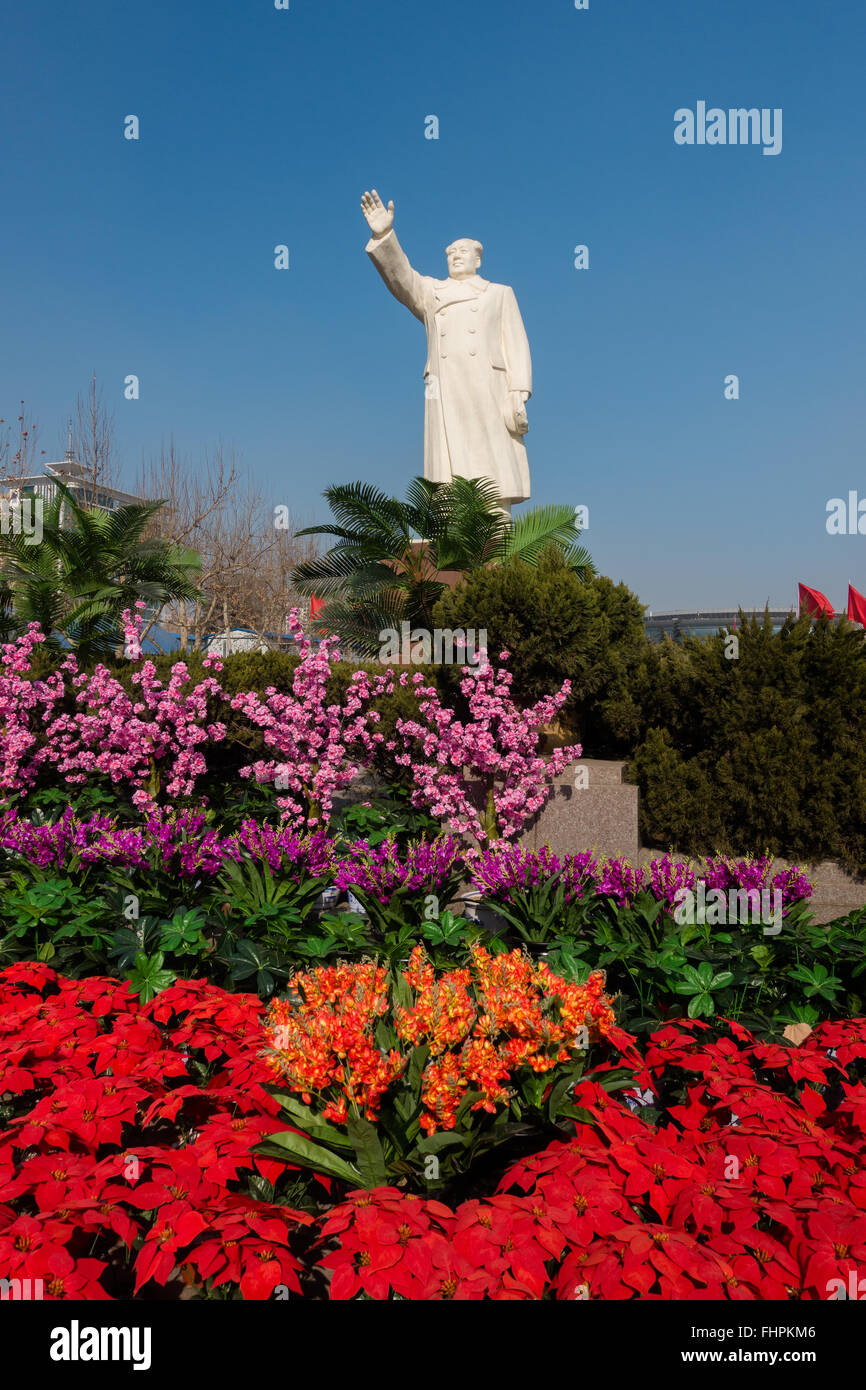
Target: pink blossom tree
[(319, 747), (484, 775), (158, 744), (155, 744)]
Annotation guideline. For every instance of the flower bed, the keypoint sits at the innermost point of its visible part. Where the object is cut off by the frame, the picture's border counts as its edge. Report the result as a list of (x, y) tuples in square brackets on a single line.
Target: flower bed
[(446, 1063), (84, 729), (734, 1169), (174, 896), (126, 1139)]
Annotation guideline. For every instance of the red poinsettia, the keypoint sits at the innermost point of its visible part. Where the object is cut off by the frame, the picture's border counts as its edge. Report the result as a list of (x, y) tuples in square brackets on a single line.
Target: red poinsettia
[(132, 1129)]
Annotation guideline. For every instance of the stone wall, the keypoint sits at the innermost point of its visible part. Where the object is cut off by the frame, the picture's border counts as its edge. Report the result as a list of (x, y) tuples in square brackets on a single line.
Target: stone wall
[(601, 816)]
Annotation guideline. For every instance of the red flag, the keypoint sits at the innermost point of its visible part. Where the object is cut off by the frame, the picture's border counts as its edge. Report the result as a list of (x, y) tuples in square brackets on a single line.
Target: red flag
[(856, 606), (316, 605), (814, 602)]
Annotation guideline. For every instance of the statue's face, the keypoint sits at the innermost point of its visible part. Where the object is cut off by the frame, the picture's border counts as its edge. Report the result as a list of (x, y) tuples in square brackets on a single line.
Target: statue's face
[(464, 259)]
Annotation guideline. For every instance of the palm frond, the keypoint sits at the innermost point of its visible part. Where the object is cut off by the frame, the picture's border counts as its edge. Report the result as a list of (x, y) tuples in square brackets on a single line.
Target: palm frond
[(81, 575), (362, 507), (531, 532)]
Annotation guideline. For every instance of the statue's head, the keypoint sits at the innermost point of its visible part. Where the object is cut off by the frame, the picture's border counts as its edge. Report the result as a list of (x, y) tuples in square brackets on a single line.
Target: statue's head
[(464, 258)]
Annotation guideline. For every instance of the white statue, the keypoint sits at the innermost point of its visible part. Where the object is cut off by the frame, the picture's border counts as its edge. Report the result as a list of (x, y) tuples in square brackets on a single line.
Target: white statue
[(478, 374)]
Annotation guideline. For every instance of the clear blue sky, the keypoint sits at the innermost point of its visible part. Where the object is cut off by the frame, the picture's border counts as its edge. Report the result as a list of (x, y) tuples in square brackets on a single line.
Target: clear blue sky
[(261, 127)]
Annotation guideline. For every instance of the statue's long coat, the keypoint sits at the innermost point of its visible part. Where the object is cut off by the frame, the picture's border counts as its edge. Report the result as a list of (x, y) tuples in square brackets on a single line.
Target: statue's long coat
[(477, 352)]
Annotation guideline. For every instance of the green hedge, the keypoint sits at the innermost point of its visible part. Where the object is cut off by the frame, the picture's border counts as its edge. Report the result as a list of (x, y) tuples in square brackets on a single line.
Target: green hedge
[(762, 751)]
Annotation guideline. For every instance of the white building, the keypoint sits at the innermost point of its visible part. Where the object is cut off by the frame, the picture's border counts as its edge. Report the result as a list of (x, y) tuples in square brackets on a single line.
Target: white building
[(238, 639), (69, 471)]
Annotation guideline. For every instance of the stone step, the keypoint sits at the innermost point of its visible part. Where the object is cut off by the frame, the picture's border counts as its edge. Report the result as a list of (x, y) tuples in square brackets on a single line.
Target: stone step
[(601, 772)]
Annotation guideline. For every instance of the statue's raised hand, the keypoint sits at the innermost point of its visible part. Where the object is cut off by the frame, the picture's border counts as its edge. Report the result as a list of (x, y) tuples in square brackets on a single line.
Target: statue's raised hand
[(379, 218)]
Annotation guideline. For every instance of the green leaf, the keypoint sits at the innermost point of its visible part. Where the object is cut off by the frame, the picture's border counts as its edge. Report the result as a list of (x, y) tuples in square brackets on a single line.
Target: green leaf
[(368, 1151), (614, 1080), (415, 1070), (561, 1087), (148, 977), (443, 1139), (701, 1004), (762, 956), (310, 1123), (577, 1112), (401, 991), (296, 1148)]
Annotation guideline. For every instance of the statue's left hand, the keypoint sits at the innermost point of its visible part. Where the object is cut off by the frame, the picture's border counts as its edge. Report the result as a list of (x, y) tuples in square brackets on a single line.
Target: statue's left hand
[(519, 423)]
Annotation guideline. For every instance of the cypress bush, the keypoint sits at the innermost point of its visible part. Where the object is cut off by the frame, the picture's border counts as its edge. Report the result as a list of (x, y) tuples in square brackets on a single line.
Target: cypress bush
[(557, 626), (759, 752)]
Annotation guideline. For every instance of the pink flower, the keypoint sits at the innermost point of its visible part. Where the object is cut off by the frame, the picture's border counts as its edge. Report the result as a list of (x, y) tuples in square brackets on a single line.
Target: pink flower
[(458, 766)]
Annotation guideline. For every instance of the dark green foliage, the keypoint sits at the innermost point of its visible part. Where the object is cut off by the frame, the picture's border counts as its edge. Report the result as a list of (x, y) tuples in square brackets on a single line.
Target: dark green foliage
[(759, 753), (384, 814), (559, 626), (663, 970)]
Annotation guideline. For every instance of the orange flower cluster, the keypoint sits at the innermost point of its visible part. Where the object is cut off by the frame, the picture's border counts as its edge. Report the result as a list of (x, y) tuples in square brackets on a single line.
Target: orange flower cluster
[(444, 1011), (522, 1016), (481, 1024), (325, 1038)]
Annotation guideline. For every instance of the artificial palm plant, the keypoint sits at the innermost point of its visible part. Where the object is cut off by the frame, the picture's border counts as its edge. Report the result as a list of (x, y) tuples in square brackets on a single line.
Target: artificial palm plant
[(88, 565), (388, 562)]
